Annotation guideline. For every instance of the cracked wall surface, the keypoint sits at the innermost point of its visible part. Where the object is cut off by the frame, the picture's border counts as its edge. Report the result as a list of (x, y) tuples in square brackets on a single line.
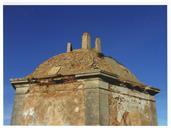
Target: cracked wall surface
[(61, 104), (126, 110), (82, 102)]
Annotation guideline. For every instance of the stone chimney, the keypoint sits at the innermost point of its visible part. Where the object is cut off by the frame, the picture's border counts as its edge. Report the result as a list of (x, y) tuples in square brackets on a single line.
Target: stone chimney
[(98, 45), (69, 47), (86, 40)]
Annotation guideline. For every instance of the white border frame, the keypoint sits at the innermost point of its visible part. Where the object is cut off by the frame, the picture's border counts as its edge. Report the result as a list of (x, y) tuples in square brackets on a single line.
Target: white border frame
[(87, 2)]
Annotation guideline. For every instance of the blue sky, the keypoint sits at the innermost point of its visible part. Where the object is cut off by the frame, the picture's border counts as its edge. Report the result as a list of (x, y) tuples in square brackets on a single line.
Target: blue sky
[(134, 35)]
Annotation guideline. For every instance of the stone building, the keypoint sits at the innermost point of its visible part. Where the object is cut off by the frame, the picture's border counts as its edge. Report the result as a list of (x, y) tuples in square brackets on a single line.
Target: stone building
[(83, 87)]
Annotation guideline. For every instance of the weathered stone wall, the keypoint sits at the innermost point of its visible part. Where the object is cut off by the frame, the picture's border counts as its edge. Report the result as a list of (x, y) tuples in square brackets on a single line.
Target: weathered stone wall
[(60, 104), (110, 104), (18, 103), (130, 107), (90, 101)]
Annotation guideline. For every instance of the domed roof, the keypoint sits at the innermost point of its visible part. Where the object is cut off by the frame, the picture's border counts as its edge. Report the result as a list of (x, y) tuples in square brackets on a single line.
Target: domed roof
[(81, 61)]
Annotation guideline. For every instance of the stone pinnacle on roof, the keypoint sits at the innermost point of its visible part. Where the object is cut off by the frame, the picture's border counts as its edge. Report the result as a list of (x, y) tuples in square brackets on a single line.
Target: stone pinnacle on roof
[(98, 45), (69, 47), (86, 43), (86, 40)]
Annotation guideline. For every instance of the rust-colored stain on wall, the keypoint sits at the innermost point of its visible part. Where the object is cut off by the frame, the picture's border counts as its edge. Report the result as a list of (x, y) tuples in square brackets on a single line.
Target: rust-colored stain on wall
[(61, 104)]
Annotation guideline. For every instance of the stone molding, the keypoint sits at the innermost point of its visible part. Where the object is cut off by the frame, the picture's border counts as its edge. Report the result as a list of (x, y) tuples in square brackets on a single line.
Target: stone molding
[(111, 78)]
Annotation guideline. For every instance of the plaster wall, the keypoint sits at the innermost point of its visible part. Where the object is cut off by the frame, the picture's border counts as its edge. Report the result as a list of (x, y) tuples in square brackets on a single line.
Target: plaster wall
[(90, 101)]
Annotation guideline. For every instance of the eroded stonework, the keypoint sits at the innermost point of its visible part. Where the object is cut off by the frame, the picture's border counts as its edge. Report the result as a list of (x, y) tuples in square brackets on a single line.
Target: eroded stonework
[(83, 102), (61, 104), (128, 109), (83, 87)]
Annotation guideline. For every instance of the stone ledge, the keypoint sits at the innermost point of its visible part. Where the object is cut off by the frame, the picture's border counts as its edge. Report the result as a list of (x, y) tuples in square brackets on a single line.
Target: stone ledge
[(106, 76)]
